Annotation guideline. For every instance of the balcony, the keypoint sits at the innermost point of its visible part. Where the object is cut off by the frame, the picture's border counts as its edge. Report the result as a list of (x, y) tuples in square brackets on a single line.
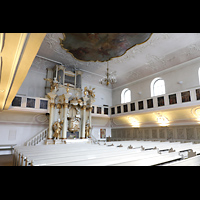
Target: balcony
[(29, 104), (180, 99), (41, 105)]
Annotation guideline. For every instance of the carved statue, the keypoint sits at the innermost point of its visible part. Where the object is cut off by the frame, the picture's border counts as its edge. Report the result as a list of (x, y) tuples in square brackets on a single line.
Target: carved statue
[(87, 131), (90, 92), (67, 89), (85, 91), (53, 83), (57, 128)]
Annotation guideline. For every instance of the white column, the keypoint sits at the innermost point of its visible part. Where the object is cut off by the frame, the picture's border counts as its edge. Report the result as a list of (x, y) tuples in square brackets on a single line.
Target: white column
[(51, 96), (90, 121), (51, 118), (65, 124), (91, 101), (83, 122), (85, 99)]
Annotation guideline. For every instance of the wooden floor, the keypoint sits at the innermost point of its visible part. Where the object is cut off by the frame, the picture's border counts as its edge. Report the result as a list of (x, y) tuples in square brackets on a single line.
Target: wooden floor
[(6, 160)]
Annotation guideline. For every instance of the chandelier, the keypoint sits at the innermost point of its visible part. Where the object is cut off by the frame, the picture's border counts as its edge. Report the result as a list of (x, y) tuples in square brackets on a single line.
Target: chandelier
[(110, 78)]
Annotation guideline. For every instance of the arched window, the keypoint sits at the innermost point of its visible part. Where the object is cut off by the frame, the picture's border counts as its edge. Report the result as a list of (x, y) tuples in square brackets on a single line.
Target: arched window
[(125, 95), (157, 87)]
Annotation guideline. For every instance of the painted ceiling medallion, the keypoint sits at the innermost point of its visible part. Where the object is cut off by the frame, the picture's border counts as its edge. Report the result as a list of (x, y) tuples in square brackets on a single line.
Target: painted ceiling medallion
[(100, 46)]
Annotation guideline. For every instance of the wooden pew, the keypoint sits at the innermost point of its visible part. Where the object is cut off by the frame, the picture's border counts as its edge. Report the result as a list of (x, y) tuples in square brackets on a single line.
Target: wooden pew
[(23, 153), (109, 160), (92, 154), (158, 159), (54, 150), (77, 155), (107, 152), (47, 149), (83, 157), (6, 147), (194, 161)]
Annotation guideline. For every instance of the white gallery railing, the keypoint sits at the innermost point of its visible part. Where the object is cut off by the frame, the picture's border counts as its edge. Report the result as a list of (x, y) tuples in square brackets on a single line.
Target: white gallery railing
[(41, 105), (178, 99), (37, 138)]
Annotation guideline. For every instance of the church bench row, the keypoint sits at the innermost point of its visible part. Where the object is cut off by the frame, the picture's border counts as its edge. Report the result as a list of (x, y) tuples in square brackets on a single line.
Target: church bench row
[(144, 156), (194, 161), (45, 150), (24, 157), (76, 154), (89, 152), (67, 153), (150, 161), (125, 155), (101, 159), (108, 160), (50, 149), (71, 148)]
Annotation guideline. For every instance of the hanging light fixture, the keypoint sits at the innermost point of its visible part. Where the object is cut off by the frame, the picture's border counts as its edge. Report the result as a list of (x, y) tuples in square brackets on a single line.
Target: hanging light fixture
[(110, 78)]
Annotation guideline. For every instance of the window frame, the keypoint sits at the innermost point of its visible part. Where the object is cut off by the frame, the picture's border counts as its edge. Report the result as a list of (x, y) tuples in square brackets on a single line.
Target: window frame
[(153, 82), (123, 96)]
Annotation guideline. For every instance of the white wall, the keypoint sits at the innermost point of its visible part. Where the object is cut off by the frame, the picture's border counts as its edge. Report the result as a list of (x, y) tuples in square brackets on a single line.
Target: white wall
[(18, 127), (33, 85), (103, 95), (18, 133), (186, 72)]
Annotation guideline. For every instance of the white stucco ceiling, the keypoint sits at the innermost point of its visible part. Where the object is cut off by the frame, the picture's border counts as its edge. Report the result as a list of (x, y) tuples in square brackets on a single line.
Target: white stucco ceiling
[(161, 51)]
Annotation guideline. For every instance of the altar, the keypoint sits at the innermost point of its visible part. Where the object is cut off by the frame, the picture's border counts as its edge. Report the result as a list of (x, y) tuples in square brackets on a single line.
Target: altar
[(71, 135), (70, 106)]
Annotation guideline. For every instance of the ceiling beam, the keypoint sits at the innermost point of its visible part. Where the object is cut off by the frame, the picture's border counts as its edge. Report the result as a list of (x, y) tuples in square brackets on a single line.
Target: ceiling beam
[(17, 55)]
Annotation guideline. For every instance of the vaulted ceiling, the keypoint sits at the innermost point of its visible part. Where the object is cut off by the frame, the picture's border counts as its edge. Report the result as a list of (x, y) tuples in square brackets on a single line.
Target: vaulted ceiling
[(159, 52)]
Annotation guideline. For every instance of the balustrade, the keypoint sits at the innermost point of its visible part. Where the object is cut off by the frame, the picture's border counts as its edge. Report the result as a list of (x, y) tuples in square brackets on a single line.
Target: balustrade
[(37, 138), (178, 99)]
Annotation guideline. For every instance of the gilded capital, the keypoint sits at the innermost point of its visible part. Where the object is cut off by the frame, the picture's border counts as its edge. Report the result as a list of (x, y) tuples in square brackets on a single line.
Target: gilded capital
[(90, 108), (66, 105), (58, 106), (52, 105), (84, 107)]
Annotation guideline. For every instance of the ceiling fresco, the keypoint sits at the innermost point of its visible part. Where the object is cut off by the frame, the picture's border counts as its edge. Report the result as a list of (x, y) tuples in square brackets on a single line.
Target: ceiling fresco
[(100, 46)]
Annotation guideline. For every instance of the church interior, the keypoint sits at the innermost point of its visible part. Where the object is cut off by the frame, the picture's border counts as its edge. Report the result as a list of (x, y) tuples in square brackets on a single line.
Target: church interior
[(100, 99)]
